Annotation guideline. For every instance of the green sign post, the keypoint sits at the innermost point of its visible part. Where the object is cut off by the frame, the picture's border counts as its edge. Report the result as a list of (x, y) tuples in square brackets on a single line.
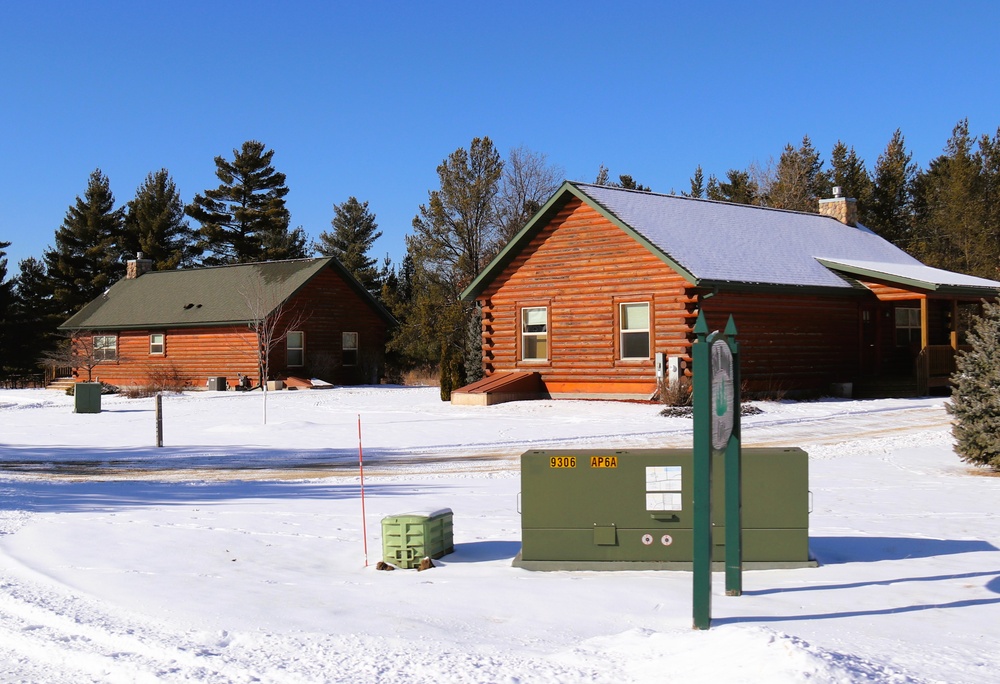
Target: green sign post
[(716, 429)]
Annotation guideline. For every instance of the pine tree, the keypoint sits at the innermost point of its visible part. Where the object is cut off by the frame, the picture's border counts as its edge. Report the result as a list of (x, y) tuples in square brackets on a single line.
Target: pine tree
[(799, 179), (950, 214), (6, 310), (245, 219), (848, 171), (86, 258), (354, 232), (890, 212), (697, 184), (34, 316), (455, 235), (739, 188), (975, 402), (155, 224)]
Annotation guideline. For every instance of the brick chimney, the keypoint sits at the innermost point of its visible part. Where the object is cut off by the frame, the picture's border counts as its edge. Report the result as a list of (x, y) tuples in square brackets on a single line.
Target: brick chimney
[(844, 209), (136, 267)]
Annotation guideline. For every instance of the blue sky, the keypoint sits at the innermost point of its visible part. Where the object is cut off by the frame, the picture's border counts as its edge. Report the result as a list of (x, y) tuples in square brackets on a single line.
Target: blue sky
[(367, 98)]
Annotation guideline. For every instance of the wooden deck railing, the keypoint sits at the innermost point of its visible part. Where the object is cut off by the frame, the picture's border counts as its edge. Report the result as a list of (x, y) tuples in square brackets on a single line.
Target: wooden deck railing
[(935, 366)]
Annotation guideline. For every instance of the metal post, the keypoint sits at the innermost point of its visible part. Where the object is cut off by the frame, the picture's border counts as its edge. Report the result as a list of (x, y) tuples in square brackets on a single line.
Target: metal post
[(702, 493), (159, 420), (734, 480)]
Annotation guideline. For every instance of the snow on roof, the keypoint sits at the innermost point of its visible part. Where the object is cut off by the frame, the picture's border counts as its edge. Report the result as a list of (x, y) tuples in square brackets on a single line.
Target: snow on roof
[(911, 274), (724, 242)]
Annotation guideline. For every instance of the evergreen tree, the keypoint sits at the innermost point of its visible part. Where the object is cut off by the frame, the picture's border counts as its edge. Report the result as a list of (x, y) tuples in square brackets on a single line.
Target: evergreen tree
[(155, 224), (85, 260), (950, 215), (34, 316), (625, 181), (697, 184), (799, 181), (6, 310), (739, 188), (848, 171), (455, 235), (245, 219), (354, 232), (975, 402), (890, 212)]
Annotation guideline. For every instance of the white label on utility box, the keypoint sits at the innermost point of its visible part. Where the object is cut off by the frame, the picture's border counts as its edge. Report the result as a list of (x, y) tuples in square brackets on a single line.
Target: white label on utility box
[(663, 501), (663, 488)]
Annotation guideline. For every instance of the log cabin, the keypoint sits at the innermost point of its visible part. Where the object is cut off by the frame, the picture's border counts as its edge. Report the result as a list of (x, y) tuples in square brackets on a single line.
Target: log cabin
[(597, 296), (183, 327)]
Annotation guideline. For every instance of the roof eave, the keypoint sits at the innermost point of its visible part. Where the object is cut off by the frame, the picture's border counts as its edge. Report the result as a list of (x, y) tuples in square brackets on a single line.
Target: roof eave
[(565, 192)]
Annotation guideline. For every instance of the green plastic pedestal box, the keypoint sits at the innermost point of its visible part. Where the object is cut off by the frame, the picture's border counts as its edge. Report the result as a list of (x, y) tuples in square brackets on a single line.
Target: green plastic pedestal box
[(606, 509), (87, 397), (410, 537)]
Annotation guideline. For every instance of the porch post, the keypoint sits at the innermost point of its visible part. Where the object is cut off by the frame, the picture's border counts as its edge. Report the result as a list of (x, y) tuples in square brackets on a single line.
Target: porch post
[(954, 324), (924, 332)]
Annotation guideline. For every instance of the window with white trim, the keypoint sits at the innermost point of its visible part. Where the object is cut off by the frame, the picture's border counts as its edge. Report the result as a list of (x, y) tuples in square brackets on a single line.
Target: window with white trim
[(105, 347), (295, 348), (535, 333), (349, 345), (157, 343), (907, 326), (633, 322)]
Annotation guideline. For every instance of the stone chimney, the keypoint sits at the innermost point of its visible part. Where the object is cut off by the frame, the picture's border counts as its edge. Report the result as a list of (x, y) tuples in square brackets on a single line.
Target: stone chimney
[(844, 209), (136, 267)]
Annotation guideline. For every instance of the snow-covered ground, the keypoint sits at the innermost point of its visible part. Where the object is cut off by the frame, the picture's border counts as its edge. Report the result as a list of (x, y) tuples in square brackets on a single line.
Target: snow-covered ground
[(236, 552)]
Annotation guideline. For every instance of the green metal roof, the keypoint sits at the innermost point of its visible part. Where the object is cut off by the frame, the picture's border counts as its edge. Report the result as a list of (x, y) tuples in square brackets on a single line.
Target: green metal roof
[(206, 296)]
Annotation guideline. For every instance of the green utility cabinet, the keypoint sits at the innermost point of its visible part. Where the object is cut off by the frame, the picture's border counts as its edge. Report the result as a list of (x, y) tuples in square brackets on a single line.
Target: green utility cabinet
[(410, 537), (87, 397), (636, 505)]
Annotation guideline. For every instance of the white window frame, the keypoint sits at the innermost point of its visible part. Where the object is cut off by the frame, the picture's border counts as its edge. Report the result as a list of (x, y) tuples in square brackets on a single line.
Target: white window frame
[(299, 349), (104, 351), (623, 331), (349, 342), (532, 337), (157, 348)]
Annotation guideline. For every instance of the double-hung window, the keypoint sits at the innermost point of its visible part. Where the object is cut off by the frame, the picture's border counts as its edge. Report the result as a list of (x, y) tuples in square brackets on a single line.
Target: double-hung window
[(105, 347), (535, 333), (349, 345), (907, 326), (634, 325), (157, 343), (295, 348)]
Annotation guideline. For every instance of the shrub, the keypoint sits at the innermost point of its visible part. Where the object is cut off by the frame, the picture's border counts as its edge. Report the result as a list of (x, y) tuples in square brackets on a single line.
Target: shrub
[(975, 401)]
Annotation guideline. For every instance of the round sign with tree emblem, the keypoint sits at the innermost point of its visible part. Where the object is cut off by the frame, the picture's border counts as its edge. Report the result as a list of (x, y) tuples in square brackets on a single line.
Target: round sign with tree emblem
[(722, 394)]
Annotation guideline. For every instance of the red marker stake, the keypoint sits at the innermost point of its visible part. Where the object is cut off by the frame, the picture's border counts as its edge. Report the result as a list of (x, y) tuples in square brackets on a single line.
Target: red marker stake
[(361, 468)]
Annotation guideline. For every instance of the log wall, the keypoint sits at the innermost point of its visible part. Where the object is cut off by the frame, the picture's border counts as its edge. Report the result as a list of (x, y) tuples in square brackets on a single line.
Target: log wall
[(328, 306)]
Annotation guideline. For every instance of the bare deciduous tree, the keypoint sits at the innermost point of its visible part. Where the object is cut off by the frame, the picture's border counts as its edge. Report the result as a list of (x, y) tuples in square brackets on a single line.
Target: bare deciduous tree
[(269, 320), (84, 350)]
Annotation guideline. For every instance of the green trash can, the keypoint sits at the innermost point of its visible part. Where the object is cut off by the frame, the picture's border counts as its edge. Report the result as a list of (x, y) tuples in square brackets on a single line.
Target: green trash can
[(87, 397), (410, 537)]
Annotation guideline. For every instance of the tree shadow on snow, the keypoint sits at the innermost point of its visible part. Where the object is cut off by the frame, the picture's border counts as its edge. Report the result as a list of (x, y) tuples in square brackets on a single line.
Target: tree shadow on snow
[(993, 586), (834, 550), (68, 497)]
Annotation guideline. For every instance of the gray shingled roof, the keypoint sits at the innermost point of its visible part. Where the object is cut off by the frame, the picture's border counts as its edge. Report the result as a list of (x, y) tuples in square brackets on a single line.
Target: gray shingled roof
[(202, 296), (718, 243)]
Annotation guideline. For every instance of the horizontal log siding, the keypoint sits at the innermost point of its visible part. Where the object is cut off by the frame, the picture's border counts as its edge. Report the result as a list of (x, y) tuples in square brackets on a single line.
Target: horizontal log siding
[(195, 354), (581, 267), (790, 342)]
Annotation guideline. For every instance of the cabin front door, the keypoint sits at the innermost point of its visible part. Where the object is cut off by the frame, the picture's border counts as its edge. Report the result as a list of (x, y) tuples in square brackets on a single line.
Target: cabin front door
[(869, 361)]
